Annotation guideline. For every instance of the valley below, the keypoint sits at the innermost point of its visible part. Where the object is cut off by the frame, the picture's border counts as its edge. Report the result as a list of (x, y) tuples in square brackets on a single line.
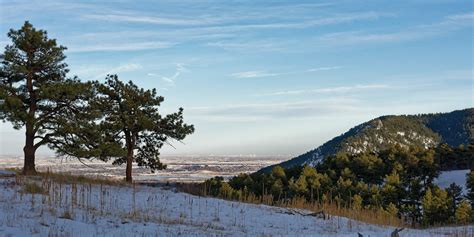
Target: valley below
[(179, 168)]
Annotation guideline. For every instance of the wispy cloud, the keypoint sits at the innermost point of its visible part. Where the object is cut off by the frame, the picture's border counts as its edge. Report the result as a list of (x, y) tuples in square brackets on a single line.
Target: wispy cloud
[(228, 23), (140, 18), (95, 72), (323, 69), (180, 68), (266, 111), (340, 89), (304, 23), (119, 47), (448, 24), (462, 16), (343, 89), (256, 74), (253, 46)]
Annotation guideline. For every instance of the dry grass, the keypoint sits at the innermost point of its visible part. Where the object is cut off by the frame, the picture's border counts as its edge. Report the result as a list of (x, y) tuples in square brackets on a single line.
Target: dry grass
[(373, 215), (34, 188), (87, 199), (68, 178), (66, 215)]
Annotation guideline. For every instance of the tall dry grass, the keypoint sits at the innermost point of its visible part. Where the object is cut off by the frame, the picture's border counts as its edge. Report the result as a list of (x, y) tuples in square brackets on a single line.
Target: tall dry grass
[(329, 206)]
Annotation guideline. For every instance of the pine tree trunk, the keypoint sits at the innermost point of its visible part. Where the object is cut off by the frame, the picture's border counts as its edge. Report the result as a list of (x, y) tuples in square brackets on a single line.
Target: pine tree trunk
[(128, 171), (29, 149), (29, 152)]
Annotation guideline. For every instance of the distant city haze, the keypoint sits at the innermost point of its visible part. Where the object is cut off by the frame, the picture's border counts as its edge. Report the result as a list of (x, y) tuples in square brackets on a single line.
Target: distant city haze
[(265, 79)]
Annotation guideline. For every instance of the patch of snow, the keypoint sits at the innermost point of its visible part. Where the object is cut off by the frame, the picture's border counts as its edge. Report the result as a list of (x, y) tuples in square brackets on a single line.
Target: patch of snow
[(458, 177), (101, 210), (7, 173)]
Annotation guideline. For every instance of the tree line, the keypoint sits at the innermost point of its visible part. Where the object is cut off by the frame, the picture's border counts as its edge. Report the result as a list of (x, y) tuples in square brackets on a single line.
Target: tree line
[(397, 180), (111, 120)]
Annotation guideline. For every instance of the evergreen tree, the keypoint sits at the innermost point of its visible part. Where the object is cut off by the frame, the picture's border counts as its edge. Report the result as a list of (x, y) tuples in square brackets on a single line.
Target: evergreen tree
[(277, 188), (455, 195), (300, 186), (463, 212), (132, 128), (392, 209), (279, 172), (313, 179), (357, 202), (436, 206), (470, 186), (226, 190), (35, 92), (132, 117), (392, 190)]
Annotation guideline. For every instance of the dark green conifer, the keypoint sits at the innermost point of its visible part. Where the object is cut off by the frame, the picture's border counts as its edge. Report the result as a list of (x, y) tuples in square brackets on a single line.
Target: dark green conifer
[(35, 93)]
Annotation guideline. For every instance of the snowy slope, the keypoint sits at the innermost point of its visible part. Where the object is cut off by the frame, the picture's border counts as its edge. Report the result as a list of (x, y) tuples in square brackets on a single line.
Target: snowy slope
[(97, 210), (458, 177)]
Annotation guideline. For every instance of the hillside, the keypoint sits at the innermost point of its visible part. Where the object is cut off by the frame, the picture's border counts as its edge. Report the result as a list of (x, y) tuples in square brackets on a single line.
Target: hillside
[(424, 130), (85, 209)]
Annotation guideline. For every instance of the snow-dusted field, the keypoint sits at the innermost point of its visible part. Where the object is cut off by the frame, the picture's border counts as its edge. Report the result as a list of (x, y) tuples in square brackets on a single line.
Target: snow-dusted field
[(101, 210), (180, 168)]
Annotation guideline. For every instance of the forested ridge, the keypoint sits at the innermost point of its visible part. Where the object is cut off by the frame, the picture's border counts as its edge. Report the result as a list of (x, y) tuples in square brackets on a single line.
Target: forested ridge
[(397, 182), (423, 130)]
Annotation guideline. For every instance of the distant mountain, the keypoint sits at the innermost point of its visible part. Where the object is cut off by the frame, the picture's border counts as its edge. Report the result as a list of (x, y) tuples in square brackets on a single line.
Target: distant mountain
[(427, 130)]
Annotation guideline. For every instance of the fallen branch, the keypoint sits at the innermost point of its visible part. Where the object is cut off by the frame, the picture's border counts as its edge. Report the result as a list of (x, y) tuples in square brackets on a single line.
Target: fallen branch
[(320, 214)]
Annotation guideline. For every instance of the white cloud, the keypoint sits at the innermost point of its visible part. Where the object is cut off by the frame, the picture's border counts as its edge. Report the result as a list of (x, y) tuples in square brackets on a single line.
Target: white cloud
[(119, 47), (140, 18), (95, 72), (323, 69), (266, 111), (125, 68), (340, 89), (448, 24), (254, 46), (180, 68), (256, 74), (225, 22), (462, 16)]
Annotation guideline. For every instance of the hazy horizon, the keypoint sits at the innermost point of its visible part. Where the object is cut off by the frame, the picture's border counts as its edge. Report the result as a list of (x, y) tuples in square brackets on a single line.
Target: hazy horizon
[(265, 79)]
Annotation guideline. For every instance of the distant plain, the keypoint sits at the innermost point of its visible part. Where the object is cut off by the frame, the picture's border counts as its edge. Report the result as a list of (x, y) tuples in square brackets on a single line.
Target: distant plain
[(179, 168)]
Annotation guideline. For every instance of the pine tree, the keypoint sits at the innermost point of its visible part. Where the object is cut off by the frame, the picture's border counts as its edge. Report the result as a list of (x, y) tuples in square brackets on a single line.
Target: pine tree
[(435, 206), (225, 190), (132, 128), (35, 92), (392, 190), (463, 212), (455, 195), (357, 202), (277, 188), (470, 186), (392, 209), (313, 179), (300, 186), (279, 172)]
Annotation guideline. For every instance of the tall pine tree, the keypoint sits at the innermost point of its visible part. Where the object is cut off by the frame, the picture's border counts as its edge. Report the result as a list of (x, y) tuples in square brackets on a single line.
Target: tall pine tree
[(470, 186), (129, 125), (34, 91)]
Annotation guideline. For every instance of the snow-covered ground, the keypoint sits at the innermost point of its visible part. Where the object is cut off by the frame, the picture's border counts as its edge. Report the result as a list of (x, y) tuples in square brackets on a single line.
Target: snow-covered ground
[(458, 177), (102, 210)]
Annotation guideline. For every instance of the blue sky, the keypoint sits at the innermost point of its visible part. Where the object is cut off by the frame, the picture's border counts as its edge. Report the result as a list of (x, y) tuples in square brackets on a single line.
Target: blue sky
[(263, 78)]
